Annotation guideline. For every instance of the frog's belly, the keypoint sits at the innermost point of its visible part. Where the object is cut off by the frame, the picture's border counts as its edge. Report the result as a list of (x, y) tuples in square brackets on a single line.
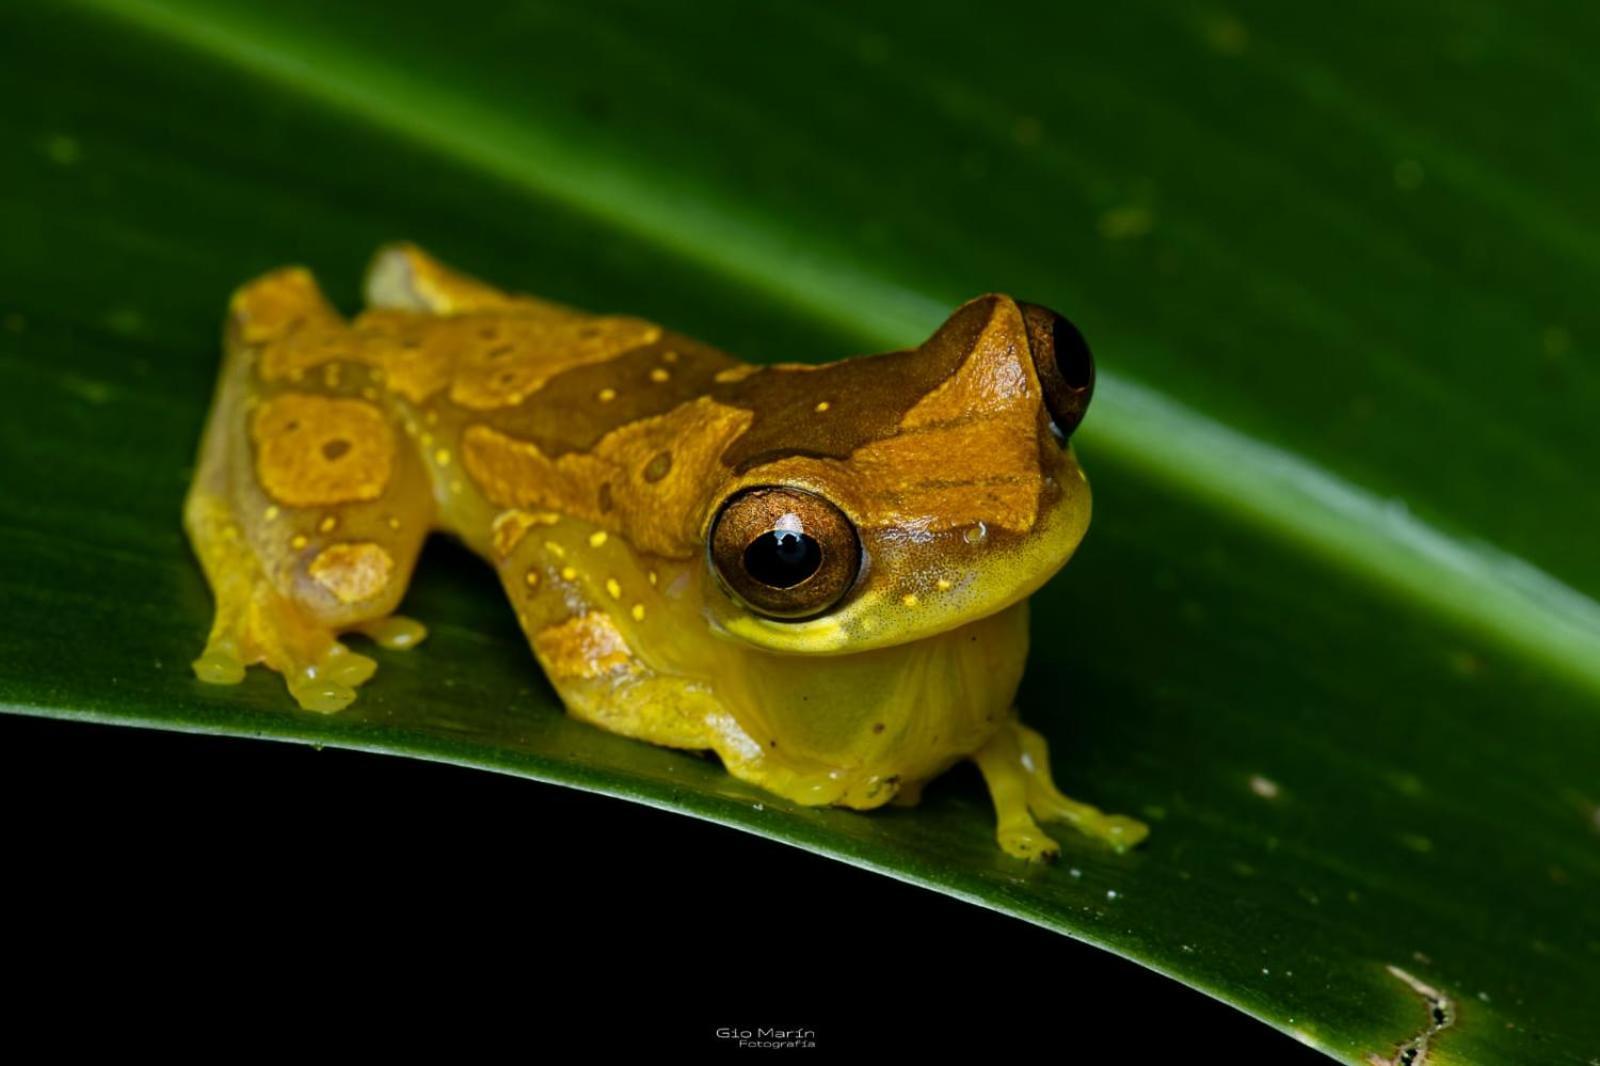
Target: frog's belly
[(846, 729)]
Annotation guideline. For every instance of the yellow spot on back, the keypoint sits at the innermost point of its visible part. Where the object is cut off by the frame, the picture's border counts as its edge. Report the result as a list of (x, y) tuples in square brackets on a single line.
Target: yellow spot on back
[(943, 583), (569, 573), (597, 538), (822, 406), (394, 523), (442, 456), (555, 549), (531, 578), (606, 395), (327, 525), (653, 579), (298, 541), (613, 588), (352, 572), (270, 513), (909, 599), (638, 612), (660, 374)]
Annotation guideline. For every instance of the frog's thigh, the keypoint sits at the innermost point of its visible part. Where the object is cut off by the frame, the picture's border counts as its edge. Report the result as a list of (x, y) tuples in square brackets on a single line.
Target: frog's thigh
[(306, 515), (1047, 802)]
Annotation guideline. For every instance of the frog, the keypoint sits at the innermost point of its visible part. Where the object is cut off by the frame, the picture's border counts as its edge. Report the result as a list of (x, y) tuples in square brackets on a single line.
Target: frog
[(817, 572)]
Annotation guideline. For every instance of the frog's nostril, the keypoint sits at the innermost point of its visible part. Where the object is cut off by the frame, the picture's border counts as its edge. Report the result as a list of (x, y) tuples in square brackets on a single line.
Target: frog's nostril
[(1064, 364)]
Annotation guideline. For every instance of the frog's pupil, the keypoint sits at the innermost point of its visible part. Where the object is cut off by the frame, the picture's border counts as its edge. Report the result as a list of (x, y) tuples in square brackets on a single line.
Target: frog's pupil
[(782, 558), (1072, 354)]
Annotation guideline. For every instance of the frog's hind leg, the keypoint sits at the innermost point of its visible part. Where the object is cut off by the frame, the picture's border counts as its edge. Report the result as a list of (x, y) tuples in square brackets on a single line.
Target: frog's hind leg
[(1016, 765), (307, 508), (402, 277)]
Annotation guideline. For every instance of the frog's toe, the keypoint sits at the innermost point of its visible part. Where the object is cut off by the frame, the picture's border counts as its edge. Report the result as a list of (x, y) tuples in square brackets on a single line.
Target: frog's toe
[(344, 667), (395, 632), (219, 664), (1117, 830), (1122, 832), (320, 695), (326, 682), (1028, 842)]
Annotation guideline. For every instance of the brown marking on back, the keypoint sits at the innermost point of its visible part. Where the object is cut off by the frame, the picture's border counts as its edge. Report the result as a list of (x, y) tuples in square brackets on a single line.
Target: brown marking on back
[(318, 451), (579, 406), (506, 359), (615, 421), (418, 357), (661, 516), (486, 360), (867, 396)]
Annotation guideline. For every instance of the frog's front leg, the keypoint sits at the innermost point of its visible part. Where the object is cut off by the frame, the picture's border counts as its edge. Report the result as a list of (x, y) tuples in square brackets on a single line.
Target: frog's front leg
[(307, 512), (1016, 765)]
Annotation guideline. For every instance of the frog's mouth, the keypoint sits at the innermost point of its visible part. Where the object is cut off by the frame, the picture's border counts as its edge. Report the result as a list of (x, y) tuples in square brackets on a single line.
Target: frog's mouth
[(916, 584)]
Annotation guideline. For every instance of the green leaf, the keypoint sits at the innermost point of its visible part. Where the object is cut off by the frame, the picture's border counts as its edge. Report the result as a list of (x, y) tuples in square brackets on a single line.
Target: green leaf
[(1332, 632)]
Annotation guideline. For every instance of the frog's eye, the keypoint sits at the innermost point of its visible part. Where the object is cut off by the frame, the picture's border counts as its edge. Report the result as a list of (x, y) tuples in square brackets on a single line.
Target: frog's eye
[(787, 553), (1065, 368)]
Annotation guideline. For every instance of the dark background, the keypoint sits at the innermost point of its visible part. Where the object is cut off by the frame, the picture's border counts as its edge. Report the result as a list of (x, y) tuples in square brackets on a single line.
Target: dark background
[(195, 887)]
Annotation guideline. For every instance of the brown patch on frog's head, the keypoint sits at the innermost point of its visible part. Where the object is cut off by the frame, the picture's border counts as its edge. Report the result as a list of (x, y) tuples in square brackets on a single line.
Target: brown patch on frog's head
[(950, 465)]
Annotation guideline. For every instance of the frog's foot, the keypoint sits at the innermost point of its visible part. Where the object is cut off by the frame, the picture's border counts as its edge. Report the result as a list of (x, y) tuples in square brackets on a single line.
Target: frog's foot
[(1117, 830), (1016, 765), (255, 623), (262, 627)]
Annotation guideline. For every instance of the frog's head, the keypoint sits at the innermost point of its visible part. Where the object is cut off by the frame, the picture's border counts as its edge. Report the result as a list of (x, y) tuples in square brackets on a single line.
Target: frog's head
[(879, 500)]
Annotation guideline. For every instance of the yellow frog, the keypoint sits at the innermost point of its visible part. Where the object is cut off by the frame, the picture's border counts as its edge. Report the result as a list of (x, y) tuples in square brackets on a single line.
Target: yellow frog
[(819, 572)]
